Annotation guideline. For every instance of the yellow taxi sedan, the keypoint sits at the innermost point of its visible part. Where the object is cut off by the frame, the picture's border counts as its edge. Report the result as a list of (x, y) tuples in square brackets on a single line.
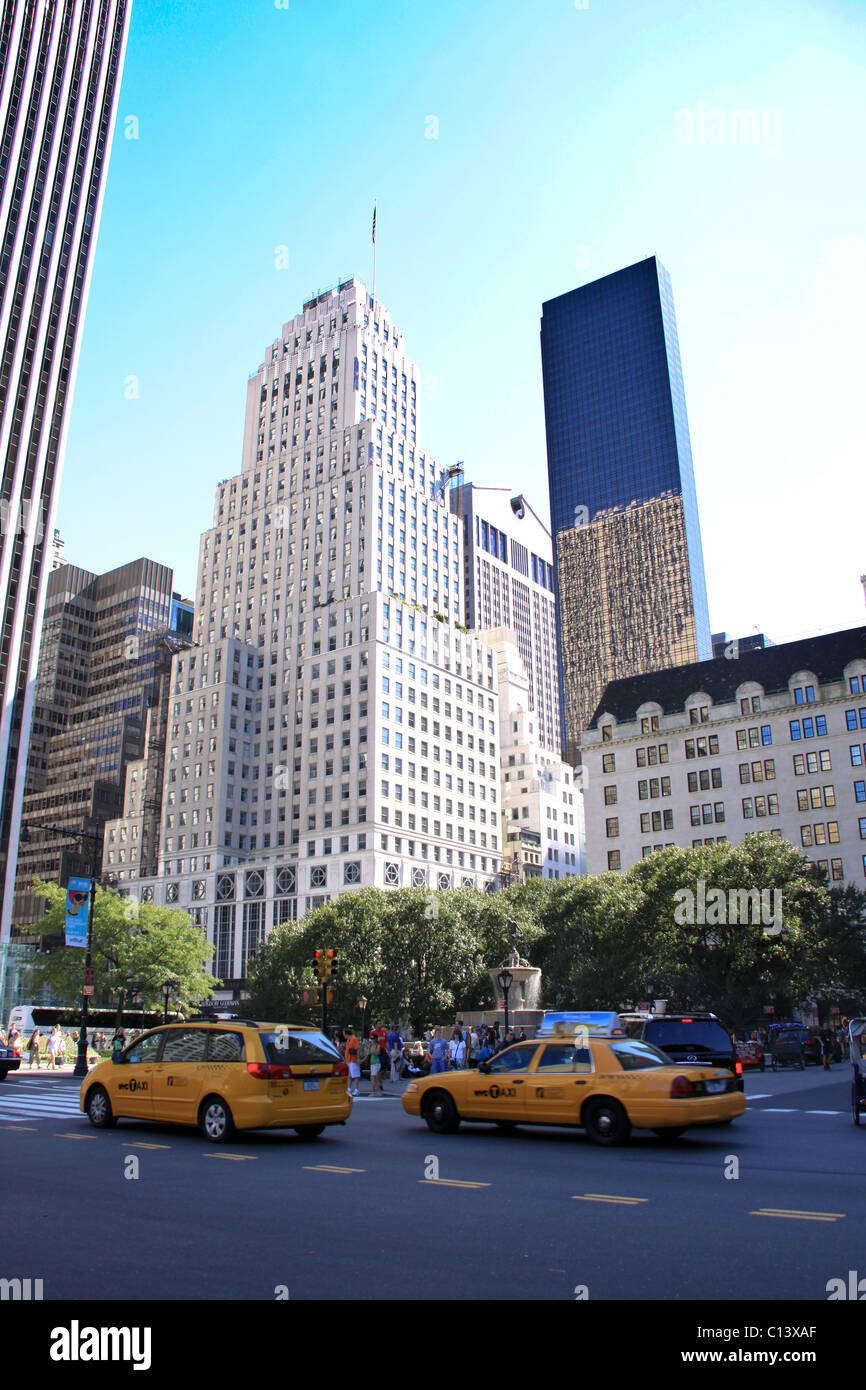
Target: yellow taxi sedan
[(606, 1085), (223, 1076)]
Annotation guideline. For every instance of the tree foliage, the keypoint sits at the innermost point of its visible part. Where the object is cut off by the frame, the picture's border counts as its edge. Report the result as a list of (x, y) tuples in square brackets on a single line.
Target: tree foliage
[(606, 941), (137, 948)]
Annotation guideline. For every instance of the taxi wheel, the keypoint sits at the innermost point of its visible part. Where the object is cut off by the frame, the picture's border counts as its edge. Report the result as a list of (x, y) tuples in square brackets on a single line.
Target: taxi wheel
[(98, 1108), (440, 1113), (606, 1122), (215, 1120), (309, 1131)]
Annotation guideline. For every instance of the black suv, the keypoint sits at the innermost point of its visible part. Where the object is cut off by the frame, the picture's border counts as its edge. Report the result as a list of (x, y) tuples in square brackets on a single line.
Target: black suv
[(693, 1039)]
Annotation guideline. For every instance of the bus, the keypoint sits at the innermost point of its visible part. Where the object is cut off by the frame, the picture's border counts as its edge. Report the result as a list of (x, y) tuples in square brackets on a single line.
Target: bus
[(26, 1017)]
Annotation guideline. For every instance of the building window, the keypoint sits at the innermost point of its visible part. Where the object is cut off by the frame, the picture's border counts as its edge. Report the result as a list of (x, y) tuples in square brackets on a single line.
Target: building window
[(612, 825), (352, 872), (614, 859)]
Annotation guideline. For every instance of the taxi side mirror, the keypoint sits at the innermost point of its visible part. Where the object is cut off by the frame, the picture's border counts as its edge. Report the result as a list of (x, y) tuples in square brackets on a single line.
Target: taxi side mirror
[(484, 1068)]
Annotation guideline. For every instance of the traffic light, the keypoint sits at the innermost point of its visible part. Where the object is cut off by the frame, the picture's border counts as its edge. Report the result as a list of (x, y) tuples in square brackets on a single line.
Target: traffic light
[(318, 963), (311, 996), (330, 965)]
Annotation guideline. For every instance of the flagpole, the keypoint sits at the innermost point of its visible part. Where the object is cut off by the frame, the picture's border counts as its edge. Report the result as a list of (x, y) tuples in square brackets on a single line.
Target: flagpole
[(375, 206)]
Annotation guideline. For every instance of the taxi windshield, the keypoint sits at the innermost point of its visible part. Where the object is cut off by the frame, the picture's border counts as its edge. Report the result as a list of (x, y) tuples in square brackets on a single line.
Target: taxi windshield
[(298, 1049), (639, 1056)]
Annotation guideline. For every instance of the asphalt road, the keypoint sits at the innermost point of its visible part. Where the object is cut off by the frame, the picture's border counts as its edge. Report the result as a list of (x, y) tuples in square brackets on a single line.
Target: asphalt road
[(542, 1212)]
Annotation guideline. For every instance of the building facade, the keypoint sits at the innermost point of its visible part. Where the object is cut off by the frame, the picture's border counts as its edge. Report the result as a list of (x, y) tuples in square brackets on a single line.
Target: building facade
[(60, 69), (542, 802), (508, 583), (335, 726), (772, 741), (104, 669), (630, 588)]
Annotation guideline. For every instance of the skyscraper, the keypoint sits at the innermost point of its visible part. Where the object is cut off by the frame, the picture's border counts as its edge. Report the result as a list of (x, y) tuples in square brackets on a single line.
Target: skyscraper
[(336, 727), (509, 583), (631, 595), (101, 698), (60, 71)]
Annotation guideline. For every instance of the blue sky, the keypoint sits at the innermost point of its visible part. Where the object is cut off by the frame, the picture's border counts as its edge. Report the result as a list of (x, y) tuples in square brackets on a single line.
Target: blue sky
[(571, 141)]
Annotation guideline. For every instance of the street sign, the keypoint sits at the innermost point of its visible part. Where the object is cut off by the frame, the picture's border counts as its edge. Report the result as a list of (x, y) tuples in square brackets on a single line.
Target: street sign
[(89, 990), (89, 975), (769, 1008)]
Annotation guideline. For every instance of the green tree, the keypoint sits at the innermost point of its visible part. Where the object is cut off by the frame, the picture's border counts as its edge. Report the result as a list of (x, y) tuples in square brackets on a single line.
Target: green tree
[(724, 963), (832, 967), (409, 951), (137, 948)]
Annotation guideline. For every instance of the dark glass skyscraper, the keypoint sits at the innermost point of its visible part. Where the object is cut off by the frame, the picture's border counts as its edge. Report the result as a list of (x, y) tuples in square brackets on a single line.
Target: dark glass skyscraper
[(631, 595)]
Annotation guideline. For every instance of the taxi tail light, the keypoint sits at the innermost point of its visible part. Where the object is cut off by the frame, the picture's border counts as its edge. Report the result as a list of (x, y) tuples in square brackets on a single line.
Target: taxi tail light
[(269, 1071), (341, 1069), (681, 1086), (738, 1067)]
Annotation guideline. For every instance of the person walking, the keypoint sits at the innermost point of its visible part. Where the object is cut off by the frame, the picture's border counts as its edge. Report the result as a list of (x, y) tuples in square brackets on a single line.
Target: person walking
[(375, 1066), (438, 1052), (395, 1053), (827, 1042), (457, 1049), (55, 1045), (353, 1060), (118, 1043), (33, 1048)]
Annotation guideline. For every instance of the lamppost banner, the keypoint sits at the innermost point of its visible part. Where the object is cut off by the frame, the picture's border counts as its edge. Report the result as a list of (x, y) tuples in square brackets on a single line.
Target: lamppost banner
[(77, 903)]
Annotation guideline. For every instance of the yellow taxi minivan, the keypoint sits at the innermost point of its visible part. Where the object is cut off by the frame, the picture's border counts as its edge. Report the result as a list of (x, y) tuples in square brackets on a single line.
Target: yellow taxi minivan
[(223, 1076)]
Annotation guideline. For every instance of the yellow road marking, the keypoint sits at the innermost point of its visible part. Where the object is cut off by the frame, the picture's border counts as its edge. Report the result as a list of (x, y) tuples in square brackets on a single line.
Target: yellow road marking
[(450, 1182), (607, 1197), (329, 1168), (158, 1146), (800, 1215), (31, 1129), (235, 1158), (75, 1136)]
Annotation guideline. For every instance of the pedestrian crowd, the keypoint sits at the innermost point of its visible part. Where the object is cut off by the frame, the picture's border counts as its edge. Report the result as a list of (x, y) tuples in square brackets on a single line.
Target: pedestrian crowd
[(385, 1051)]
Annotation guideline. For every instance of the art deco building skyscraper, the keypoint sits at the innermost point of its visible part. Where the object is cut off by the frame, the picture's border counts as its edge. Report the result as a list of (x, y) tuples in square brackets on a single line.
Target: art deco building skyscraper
[(631, 595), (60, 69)]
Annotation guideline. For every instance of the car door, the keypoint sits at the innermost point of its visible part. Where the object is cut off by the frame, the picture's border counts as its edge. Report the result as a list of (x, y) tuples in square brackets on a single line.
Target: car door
[(178, 1077), (130, 1080), (499, 1092), (561, 1076)]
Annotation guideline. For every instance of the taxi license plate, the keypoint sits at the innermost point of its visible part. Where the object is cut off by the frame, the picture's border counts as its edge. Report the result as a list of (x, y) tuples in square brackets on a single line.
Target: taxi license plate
[(311, 1085), (713, 1087)]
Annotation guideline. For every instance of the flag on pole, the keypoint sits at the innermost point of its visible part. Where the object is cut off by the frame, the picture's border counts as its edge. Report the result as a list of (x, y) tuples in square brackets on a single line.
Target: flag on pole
[(375, 205)]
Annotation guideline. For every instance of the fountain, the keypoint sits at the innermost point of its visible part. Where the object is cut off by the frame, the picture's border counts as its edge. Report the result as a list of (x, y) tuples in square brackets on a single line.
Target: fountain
[(524, 994)]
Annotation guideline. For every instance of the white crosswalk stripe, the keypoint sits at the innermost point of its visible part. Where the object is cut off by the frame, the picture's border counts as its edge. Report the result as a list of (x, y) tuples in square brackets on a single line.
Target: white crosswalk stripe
[(47, 1101)]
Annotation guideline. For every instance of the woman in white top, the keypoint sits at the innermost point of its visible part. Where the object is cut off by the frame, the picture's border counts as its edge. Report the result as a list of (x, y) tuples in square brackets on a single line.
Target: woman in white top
[(457, 1049), (55, 1045)]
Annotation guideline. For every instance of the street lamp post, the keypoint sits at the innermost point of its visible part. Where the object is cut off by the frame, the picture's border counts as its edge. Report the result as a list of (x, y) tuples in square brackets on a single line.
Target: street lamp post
[(166, 995), (505, 981), (362, 1005)]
